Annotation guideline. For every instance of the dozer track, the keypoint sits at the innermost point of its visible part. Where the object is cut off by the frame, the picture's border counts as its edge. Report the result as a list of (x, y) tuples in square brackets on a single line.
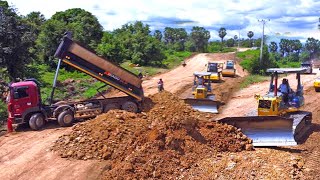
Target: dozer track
[(273, 130)]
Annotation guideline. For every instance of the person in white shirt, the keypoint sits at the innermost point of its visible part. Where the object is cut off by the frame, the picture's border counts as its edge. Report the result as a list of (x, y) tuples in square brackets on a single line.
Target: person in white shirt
[(284, 89)]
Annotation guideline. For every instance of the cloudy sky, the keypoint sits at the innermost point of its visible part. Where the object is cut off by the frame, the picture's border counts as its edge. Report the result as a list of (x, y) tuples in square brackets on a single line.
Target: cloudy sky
[(296, 19)]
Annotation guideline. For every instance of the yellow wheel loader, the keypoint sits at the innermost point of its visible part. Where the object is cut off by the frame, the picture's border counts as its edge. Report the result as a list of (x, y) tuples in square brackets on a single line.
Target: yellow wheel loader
[(229, 70), (214, 68), (278, 122), (202, 98)]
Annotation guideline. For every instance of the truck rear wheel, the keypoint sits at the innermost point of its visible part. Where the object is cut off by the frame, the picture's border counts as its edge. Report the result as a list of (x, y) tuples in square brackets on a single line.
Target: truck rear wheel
[(66, 118), (36, 121), (130, 106)]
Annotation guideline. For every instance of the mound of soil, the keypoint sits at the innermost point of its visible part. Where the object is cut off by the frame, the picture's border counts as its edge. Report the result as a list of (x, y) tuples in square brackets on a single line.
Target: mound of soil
[(161, 143)]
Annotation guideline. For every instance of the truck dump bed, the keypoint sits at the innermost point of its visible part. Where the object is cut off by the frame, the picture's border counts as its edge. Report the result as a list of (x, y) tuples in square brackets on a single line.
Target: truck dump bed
[(88, 62)]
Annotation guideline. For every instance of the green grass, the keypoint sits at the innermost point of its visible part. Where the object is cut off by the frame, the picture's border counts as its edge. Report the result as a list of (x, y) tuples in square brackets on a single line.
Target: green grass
[(251, 79), (85, 86), (285, 64), (173, 60), (144, 69)]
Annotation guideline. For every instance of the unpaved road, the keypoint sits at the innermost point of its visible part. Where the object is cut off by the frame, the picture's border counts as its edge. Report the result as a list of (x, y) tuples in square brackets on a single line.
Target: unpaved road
[(27, 155)]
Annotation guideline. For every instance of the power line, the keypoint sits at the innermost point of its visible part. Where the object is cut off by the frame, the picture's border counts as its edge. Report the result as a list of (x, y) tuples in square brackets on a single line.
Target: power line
[(263, 21)]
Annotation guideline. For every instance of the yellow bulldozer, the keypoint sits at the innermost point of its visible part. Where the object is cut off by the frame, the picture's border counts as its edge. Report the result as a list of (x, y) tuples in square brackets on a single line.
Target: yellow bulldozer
[(278, 122), (214, 68), (229, 70), (202, 98)]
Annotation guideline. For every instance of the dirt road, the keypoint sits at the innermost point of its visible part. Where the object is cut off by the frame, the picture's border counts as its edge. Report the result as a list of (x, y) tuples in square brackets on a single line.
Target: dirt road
[(26, 154)]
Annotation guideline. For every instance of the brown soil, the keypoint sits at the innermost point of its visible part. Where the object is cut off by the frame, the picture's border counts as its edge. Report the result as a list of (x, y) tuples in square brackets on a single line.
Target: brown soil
[(161, 143), (26, 154)]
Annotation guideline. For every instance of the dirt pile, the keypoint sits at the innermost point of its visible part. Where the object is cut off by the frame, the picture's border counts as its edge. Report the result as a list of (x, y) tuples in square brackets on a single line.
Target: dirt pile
[(161, 143)]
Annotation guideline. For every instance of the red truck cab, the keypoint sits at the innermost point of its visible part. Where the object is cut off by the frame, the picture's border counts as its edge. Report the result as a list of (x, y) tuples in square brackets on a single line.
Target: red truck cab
[(24, 101)]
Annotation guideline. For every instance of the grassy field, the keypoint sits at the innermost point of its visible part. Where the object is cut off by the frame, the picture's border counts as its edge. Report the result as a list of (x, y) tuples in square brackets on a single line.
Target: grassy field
[(251, 79)]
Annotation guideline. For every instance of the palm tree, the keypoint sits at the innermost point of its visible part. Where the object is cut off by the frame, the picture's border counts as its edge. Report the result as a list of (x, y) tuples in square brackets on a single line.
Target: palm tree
[(250, 35), (222, 34)]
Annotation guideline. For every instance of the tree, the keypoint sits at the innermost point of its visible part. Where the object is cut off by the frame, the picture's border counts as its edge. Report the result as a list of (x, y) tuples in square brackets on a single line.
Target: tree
[(15, 40), (158, 35), (273, 47), (84, 26), (132, 42), (250, 35), (175, 37), (230, 42), (312, 46), (200, 37), (222, 34), (110, 48)]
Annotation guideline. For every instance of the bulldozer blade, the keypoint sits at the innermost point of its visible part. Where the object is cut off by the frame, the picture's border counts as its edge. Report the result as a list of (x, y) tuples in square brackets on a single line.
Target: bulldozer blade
[(203, 105), (265, 130)]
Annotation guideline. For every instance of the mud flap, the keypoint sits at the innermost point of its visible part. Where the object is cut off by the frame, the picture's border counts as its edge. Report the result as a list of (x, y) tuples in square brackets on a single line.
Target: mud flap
[(266, 130), (204, 105)]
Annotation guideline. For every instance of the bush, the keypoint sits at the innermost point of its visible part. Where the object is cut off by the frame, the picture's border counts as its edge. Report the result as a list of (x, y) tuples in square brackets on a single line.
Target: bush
[(3, 112)]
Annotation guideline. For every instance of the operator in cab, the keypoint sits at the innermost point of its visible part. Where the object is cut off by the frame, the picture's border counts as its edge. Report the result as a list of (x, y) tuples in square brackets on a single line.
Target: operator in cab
[(285, 90)]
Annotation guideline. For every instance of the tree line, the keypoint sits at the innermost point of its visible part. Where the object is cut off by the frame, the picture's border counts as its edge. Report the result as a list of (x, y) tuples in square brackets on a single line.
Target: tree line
[(27, 41)]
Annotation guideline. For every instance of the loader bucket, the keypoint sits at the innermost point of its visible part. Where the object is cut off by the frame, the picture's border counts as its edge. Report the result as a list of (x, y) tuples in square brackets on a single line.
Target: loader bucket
[(203, 105), (265, 130)]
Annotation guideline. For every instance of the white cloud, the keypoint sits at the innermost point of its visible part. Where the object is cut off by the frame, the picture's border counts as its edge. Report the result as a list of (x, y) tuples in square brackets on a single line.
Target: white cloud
[(299, 17)]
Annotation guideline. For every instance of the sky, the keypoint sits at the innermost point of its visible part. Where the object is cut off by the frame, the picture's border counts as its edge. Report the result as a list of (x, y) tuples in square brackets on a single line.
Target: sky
[(292, 19)]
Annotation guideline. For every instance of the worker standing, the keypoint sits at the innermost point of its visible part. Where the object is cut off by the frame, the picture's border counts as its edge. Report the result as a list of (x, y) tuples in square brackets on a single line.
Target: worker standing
[(160, 85)]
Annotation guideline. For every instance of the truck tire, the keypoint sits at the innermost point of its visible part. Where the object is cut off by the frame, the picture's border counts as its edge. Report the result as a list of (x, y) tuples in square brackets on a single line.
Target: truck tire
[(36, 121), (130, 106), (66, 118)]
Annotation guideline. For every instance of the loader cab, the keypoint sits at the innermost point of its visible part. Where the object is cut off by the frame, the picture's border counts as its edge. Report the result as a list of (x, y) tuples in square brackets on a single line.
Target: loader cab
[(23, 98)]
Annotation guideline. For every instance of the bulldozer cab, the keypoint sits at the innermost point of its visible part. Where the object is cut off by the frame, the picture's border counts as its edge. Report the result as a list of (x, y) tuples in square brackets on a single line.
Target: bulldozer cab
[(281, 100), (214, 67), (279, 121)]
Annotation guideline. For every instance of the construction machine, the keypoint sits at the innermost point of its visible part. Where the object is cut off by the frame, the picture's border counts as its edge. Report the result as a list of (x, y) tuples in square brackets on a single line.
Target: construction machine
[(214, 68), (229, 70), (307, 65), (202, 98), (316, 84), (279, 122), (25, 104)]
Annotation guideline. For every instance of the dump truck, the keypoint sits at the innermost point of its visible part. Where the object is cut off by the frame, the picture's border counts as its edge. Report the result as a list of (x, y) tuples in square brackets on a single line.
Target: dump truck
[(229, 70), (279, 122), (215, 69), (25, 104), (202, 97)]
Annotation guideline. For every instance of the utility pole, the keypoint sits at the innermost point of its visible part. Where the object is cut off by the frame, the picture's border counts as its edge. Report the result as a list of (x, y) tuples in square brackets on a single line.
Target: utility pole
[(263, 23), (239, 40)]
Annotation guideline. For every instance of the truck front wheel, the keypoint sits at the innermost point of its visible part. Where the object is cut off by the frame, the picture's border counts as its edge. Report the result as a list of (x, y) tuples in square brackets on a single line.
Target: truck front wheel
[(130, 106), (66, 118), (36, 121)]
